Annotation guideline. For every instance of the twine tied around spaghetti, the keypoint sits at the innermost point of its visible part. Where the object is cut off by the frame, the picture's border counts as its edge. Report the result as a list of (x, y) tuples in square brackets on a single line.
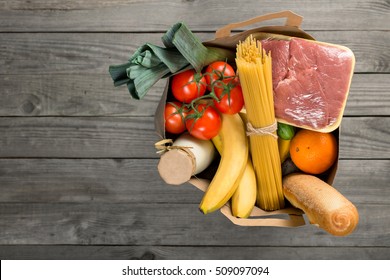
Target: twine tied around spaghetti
[(266, 130)]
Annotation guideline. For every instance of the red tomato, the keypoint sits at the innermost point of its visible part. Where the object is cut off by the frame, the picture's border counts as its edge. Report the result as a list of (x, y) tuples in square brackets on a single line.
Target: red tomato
[(174, 118), (188, 85), (204, 125), (218, 70), (231, 100)]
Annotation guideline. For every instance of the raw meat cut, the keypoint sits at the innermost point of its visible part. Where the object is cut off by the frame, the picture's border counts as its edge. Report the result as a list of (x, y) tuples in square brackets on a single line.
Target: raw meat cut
[(311, 82)]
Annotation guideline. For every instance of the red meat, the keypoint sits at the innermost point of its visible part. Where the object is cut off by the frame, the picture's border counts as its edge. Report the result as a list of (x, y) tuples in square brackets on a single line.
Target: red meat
[(279, 52), (311, 82)]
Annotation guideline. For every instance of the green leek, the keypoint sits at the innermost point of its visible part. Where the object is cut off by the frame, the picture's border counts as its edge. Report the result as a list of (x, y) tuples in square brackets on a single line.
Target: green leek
[(182, 50)]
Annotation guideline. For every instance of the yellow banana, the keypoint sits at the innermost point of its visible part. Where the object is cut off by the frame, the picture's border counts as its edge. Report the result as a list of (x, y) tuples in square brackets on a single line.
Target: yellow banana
[(234, 157), (243, 116), (217, 141), (284, 149), (244, 198)]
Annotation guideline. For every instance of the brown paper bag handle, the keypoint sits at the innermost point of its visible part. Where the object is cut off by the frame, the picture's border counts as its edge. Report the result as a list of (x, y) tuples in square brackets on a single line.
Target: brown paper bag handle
[(294, 215), (292, 19)]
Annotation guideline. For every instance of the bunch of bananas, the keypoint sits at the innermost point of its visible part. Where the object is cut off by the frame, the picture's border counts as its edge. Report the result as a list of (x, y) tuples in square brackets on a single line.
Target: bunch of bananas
[(235, 177)]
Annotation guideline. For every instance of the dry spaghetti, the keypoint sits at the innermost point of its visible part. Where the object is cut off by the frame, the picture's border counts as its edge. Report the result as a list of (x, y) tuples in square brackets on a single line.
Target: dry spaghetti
[(255, 73)]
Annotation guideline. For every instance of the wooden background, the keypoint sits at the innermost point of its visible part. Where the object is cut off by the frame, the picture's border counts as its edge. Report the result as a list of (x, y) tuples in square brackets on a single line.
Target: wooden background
[(78, 173)]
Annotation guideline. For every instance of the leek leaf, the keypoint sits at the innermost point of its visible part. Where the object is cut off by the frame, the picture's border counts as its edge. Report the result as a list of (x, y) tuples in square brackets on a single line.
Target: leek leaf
[(150, 63)]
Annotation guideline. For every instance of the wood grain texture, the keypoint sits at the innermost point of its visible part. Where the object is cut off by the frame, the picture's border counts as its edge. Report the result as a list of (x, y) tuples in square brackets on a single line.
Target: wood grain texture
[(369, 95), (77, 160), (134, 137), (71, 180), (121, 15), (72, 95), (115, 137), (86, 53), (95, 95), (89, 180), (137, 181), (365, 138), (169, 225), (28, 252)]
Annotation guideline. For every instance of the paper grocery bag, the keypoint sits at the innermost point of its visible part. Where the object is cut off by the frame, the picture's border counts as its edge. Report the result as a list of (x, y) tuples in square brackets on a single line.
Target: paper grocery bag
[(289, 216)]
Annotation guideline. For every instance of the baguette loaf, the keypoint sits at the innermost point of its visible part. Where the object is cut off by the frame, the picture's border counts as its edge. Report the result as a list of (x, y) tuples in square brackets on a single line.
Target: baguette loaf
[(322, 203)]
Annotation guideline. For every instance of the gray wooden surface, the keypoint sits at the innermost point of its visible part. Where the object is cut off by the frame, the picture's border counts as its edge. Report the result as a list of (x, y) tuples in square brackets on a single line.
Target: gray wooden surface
[(78, 175)]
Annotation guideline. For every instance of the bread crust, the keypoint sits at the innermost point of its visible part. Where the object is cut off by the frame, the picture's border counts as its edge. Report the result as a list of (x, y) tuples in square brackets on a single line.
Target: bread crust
[(322, 203)]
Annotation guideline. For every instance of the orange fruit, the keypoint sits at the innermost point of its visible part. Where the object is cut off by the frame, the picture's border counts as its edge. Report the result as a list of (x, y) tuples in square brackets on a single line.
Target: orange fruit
[(313, 152)]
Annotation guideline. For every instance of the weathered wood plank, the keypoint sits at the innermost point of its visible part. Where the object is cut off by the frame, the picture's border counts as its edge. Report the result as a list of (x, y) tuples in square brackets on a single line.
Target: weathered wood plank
[(95, 95), (73, 95), (83, 180), (134, 137), (169, 224), (77, 137), (137, 181), (86, 53), (86, 180), (122, 15), (72, 53), (363, 180), (368, 95), (365, 138), (36, 252)]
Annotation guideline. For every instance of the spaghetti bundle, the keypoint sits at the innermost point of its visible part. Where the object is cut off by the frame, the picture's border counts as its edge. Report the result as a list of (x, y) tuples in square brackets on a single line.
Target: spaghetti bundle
[(255, 73)]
